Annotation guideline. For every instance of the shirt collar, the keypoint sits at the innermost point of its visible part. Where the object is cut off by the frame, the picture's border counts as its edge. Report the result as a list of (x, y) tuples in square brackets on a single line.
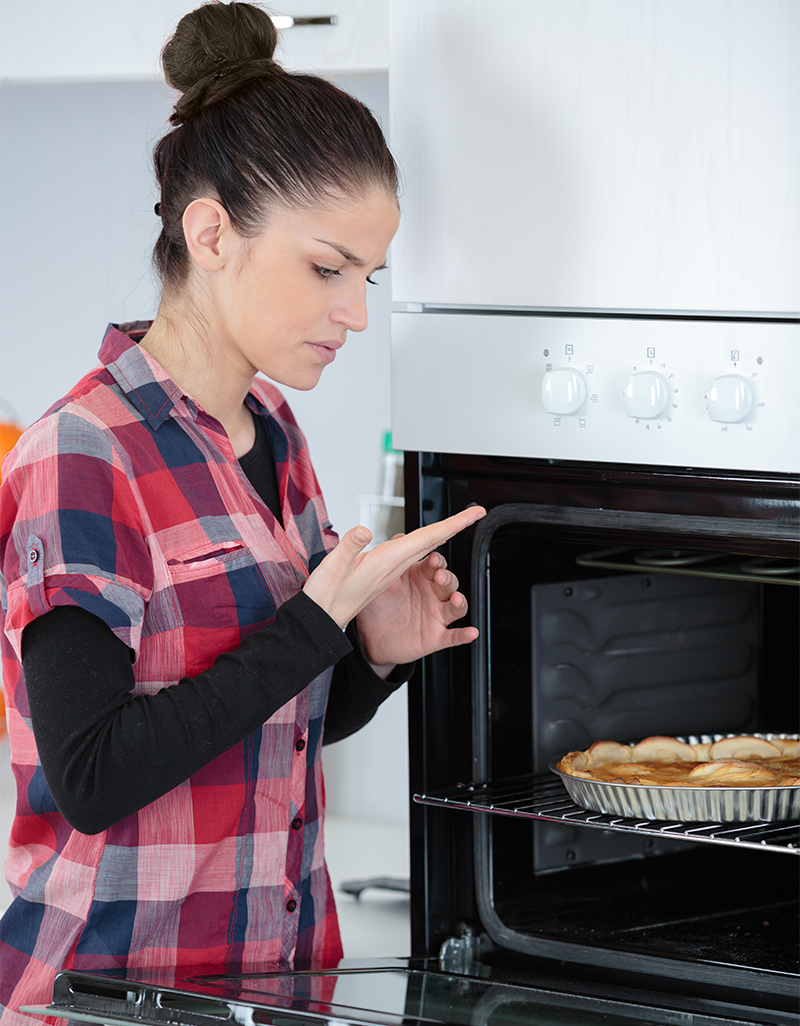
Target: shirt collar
[(144, 381)]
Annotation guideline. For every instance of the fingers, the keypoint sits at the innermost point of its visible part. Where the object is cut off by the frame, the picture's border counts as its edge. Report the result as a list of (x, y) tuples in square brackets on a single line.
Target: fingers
[(444, 581), (411, 548), (349, 578), (458, 636), (434, 535), (455, 608), (334, 584), (445, 588)]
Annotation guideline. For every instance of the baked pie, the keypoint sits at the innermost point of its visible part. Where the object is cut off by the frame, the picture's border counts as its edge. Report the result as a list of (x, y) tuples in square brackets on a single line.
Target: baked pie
[(743, 761)]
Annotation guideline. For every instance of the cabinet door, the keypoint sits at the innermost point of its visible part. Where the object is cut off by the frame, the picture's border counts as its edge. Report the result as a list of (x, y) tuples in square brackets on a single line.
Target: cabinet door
[(357, 43), (625, 155), (97, 39)]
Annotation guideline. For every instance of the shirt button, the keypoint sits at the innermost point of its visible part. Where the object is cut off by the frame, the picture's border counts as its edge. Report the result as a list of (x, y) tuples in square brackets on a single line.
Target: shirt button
[(296, 823), (300, 744), (33, 556), (291, 905)]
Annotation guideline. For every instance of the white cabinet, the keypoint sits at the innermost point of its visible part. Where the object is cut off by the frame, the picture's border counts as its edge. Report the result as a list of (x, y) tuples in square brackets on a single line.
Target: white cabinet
[(358, 42), (623, 154), (121, 39)]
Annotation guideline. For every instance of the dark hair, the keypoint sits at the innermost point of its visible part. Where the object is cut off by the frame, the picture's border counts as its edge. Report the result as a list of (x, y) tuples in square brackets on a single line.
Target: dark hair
[(252, 134)]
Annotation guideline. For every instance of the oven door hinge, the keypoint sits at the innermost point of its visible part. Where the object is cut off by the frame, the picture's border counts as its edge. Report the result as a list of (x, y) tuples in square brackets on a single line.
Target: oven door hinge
[(457, 954)]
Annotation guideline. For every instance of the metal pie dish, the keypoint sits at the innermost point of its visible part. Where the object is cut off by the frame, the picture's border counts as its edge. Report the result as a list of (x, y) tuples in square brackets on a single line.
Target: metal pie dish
[(718, 804)]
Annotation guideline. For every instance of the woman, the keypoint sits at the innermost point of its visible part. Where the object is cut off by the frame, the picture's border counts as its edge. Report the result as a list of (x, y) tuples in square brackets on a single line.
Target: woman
[(182, 630)]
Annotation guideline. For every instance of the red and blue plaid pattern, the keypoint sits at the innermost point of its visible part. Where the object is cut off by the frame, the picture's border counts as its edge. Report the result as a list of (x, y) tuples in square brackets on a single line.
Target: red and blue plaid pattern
[(126, 499)]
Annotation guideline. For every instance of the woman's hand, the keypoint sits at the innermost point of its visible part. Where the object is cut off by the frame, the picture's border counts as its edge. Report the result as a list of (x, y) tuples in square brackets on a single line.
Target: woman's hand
[(412, 617), (404, 596)]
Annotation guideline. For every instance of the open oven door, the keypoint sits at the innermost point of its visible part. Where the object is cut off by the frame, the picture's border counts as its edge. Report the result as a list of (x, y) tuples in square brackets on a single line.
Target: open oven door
[(380, 992)]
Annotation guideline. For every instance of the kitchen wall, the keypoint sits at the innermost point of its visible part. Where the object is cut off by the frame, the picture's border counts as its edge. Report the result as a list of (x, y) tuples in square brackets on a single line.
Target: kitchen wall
[(77, 225)]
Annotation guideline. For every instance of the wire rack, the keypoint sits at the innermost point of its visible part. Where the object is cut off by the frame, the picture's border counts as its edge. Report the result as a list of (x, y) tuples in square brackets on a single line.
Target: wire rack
[(542, 796)]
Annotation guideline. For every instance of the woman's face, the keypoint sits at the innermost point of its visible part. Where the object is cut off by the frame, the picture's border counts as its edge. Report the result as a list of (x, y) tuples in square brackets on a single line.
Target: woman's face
[(293, 293)]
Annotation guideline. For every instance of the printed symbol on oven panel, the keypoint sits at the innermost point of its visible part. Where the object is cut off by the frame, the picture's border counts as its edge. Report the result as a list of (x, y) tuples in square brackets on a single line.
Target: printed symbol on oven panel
[(651, 352)]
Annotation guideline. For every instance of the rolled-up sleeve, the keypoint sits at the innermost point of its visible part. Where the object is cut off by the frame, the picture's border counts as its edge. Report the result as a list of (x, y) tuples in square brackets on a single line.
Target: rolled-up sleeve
[(72, 532)]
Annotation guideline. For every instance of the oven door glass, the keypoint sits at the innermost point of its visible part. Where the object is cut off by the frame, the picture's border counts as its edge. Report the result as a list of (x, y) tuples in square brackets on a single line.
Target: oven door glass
[(388, 992)]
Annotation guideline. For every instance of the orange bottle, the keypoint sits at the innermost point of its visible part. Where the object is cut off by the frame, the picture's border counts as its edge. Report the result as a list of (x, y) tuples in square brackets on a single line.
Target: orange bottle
[(9, 433)]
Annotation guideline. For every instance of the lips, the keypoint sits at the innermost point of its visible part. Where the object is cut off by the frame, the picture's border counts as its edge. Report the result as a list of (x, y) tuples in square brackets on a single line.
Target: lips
[(326, 350)]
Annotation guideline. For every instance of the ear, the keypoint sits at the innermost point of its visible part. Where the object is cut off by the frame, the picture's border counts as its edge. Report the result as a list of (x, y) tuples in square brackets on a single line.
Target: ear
[(208, 232)]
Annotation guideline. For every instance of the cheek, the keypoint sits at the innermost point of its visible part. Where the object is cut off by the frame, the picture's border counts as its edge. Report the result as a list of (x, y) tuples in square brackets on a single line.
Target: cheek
[(284, 302)]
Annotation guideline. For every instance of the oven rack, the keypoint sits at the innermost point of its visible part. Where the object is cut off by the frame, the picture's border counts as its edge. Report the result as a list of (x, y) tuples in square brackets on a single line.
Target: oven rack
[(542, 796), (687, 563)]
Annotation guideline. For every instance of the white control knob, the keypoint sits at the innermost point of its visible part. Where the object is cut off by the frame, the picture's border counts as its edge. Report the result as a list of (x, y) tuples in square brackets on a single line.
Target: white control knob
[(730, 399), (563, 391), (646, 395)]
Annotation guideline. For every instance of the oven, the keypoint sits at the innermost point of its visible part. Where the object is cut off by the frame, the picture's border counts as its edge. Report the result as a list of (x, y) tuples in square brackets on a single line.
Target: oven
[(613, 603)]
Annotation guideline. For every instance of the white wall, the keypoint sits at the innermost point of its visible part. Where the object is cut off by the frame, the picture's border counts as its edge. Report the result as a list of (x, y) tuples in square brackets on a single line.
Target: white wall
[(76, 229)]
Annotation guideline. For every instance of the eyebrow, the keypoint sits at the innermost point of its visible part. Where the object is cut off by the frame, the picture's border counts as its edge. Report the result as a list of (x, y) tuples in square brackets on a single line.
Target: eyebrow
[(351, 257)]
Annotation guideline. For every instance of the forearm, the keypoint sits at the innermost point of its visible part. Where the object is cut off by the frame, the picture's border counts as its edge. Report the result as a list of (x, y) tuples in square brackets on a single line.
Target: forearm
[(107, 753)]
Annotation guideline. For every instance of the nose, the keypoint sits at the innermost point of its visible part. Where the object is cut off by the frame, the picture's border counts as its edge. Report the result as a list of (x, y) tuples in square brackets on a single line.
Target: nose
[(352, 311)]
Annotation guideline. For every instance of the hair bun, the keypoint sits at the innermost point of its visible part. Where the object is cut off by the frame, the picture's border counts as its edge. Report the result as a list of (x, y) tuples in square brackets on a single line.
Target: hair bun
[(215, 50)]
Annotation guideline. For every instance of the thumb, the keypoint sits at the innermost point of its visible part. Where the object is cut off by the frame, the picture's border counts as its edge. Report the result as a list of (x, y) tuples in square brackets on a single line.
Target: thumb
[(356, 539)]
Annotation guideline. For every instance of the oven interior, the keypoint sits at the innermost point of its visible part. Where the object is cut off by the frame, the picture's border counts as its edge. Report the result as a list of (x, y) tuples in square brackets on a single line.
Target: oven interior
[(624, 654), (590, 634)]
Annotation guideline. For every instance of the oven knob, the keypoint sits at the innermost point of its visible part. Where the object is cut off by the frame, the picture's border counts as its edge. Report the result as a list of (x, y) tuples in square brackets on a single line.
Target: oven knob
[(646, 395), (730, 399), (563, 391)]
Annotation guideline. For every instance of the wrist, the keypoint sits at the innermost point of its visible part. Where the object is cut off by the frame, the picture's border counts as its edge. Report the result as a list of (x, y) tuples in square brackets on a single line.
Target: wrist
[(381, 669)]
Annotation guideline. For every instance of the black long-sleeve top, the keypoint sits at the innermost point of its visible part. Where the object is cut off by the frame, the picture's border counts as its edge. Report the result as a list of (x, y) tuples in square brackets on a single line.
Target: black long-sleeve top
[(106, 754)]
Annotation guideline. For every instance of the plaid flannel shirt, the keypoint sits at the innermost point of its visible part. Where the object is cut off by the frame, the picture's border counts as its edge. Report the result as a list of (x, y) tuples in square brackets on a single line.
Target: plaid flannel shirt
[(126, 499)]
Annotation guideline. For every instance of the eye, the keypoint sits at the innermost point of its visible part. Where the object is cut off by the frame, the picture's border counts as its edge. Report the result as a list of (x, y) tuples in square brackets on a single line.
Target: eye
[(325, 272), (371, 282)]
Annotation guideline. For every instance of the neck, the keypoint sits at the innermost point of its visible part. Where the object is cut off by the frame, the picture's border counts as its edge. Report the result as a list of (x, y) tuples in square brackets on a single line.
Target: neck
[(185, 346)]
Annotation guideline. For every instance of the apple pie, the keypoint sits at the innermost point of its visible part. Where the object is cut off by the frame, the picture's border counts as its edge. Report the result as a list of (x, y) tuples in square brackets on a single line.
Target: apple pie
[(743, 761)]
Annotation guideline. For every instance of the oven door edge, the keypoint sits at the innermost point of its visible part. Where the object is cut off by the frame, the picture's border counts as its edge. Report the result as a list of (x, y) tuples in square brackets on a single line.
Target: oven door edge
[(432, 995)]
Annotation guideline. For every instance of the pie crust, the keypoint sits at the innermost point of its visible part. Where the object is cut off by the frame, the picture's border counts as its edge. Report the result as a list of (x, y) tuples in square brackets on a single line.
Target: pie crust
[(741, 761)]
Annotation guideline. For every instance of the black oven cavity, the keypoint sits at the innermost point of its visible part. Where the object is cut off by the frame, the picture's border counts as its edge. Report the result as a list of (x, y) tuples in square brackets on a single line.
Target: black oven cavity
[(611, 606)]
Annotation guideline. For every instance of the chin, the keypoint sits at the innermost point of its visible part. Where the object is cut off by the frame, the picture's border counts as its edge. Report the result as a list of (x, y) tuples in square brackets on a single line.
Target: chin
[(298, 382)]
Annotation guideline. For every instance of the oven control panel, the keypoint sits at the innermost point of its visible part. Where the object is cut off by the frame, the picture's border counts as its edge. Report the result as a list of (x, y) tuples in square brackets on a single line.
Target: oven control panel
[(661, 391)]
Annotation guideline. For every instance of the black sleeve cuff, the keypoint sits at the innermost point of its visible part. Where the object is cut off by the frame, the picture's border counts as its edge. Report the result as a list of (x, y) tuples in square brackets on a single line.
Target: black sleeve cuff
[(357, 691)]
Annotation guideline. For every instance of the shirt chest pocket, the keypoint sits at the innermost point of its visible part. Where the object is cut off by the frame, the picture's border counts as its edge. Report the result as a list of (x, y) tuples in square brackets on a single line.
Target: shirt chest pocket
[(218, 585), (208, 560)]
